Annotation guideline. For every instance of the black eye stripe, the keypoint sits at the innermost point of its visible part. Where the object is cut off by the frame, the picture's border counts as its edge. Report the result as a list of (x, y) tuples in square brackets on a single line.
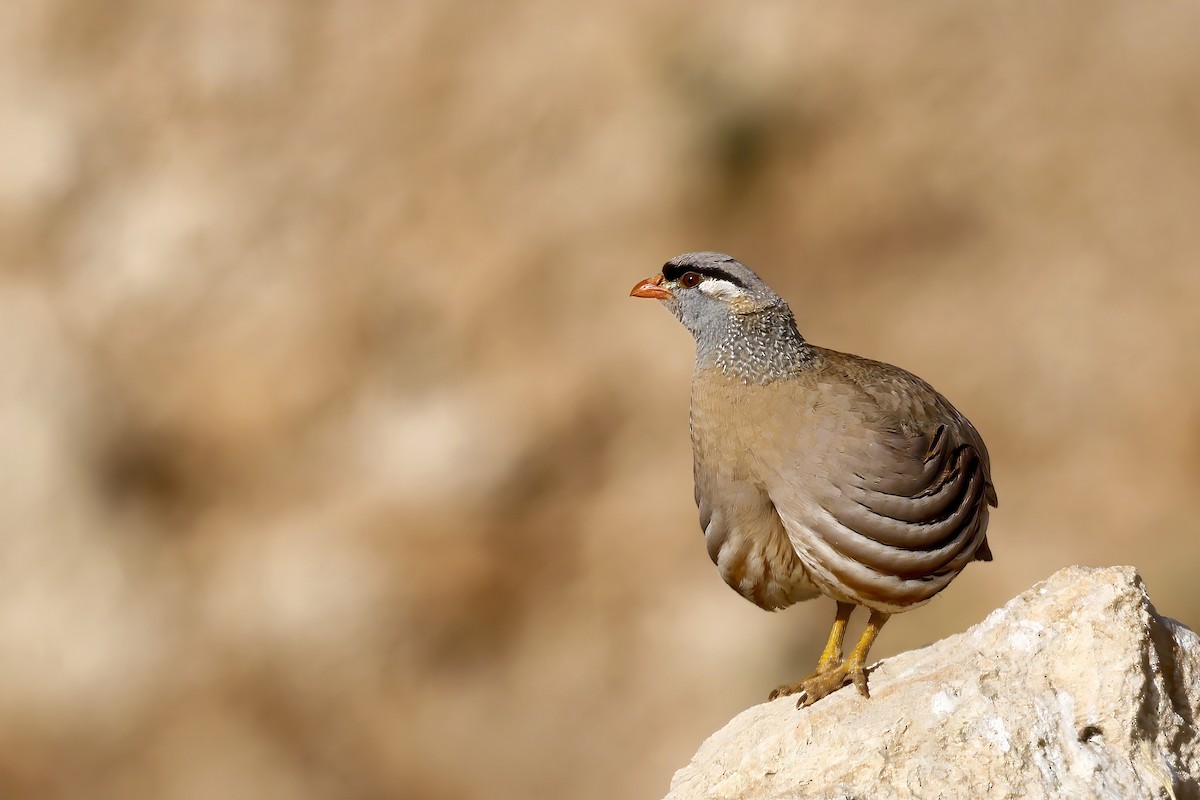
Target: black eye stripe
[(673, 272)]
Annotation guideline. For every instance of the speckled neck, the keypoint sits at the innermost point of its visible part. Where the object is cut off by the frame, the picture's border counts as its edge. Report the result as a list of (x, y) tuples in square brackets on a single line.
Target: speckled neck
[(757, 348)]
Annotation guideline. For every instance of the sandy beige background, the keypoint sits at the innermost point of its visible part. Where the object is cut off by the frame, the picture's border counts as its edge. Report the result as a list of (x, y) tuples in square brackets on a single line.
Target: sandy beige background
[(336, 462)]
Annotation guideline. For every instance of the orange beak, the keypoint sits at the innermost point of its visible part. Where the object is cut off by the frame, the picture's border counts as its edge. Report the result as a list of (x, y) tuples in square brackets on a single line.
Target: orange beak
[(652, 288)]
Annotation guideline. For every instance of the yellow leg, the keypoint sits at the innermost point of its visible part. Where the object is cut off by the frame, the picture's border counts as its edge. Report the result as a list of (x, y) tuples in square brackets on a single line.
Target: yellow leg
[(831, 656), (856, 665), (832, 672)]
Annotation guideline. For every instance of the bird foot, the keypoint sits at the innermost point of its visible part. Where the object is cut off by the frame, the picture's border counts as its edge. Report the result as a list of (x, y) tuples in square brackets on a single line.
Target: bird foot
[(825, 682)]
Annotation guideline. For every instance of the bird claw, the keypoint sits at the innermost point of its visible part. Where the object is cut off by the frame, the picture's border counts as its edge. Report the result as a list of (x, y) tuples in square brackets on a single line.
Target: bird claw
[(859, 677), (824, 683)]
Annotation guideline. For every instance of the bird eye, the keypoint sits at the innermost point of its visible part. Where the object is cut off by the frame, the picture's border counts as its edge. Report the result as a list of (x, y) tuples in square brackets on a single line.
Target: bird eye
[(689, 280)]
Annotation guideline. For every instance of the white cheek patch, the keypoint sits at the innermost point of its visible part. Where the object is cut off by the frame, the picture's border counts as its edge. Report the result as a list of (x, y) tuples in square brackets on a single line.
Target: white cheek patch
[(721, 289)]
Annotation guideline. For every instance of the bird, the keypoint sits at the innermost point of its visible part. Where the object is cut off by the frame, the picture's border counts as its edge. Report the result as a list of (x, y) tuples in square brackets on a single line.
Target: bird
[(818, 472)]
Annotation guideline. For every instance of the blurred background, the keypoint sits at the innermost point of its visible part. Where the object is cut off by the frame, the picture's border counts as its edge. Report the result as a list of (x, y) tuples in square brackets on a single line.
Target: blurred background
[(336, 461)]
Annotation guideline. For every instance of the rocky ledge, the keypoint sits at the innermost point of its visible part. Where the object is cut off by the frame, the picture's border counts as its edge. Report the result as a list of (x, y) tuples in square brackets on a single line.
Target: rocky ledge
[(1076, 688)]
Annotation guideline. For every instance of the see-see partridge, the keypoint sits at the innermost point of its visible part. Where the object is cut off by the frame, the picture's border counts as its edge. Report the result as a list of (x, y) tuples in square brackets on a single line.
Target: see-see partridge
[(819, 472)]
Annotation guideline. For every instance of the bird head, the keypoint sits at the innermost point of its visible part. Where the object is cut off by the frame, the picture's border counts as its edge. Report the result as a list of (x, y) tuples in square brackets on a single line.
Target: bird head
[(707, 291)]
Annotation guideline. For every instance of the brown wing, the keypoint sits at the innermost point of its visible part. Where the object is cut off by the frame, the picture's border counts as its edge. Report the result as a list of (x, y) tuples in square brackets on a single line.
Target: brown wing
[(905, 506), (913, 514)]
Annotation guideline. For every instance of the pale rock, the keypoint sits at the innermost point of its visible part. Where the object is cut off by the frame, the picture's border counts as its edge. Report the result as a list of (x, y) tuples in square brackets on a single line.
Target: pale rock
[(1075, 689)]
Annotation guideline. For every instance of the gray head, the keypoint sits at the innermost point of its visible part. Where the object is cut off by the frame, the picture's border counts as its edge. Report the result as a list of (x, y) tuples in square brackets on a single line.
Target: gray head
[(740, 324)]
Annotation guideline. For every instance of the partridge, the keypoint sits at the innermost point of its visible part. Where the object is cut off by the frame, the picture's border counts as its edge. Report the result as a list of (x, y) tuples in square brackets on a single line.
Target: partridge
[(819, 472)]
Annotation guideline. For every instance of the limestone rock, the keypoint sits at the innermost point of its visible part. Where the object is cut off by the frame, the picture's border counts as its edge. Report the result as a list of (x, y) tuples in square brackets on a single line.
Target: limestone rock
[(1076, 688)]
